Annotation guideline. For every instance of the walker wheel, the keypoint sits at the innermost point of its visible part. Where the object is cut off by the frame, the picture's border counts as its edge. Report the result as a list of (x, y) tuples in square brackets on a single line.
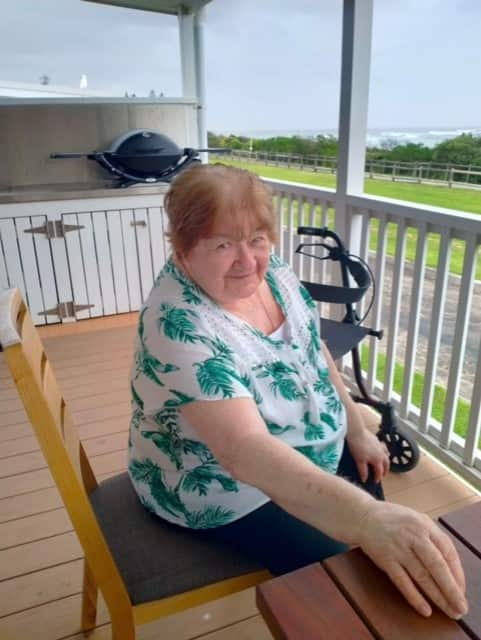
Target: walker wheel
[(403, 450)]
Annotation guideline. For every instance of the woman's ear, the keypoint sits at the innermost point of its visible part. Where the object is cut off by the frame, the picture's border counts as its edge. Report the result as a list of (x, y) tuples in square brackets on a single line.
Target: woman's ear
[(181, 261)]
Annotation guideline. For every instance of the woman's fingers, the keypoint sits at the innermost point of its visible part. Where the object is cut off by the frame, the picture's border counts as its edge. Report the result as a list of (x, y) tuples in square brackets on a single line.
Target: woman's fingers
[(379, 471), (386, 466), (429, 570), (419, 558), (447, 548), (362, 469), (406, 586), (387, 459)]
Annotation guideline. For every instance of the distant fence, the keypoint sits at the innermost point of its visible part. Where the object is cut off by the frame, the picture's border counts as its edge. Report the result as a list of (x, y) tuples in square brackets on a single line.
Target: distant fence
[(449, 174)]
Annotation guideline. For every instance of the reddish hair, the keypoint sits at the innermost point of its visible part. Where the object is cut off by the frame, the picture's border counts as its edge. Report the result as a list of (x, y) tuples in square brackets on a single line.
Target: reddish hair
[(206, 193)]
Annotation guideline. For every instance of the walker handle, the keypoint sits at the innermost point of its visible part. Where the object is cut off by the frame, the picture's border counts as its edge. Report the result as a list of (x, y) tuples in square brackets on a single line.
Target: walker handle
[(313, 231)]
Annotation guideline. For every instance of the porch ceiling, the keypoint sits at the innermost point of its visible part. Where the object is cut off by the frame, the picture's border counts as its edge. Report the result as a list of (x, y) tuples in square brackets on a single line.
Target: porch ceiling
[(173, 7)]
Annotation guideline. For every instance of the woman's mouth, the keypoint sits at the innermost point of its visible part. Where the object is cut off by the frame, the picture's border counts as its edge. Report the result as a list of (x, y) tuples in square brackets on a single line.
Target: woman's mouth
[(240, 276)]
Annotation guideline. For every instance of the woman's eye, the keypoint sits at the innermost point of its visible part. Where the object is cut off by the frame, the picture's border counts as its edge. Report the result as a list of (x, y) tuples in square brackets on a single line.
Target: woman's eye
[(258, 239), (223, 246)]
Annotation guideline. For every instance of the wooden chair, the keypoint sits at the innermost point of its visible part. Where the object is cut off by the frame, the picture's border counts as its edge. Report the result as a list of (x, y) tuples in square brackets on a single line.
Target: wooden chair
[(144, 567)]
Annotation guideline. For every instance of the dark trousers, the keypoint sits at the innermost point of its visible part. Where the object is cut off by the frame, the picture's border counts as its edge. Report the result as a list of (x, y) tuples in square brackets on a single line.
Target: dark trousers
[(279, 541)]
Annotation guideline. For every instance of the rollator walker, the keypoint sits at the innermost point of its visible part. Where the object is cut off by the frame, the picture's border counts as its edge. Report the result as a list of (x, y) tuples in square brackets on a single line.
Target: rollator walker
[(344, 336)]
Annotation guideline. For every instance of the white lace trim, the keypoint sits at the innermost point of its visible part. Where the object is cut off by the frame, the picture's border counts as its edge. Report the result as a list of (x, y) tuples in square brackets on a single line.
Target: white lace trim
[(253, 348)]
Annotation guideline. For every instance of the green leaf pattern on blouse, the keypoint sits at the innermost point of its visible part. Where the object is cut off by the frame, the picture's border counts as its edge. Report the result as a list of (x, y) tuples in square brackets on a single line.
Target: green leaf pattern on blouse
[(209, 517), (146, 363), (307, 297), (191, 293), (176, 323), (277, 429), (326, 458), (285, 379), (196, 480), (314, 345), (324, 386), (276, 292), (314, 430)]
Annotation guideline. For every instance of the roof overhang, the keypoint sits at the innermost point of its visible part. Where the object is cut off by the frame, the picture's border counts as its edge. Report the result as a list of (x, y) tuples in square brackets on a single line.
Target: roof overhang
[(172, 7)]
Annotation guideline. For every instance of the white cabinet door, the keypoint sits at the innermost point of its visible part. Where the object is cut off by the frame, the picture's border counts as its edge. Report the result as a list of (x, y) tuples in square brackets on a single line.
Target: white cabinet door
[(114, 257), (26, 263), (99, 257)]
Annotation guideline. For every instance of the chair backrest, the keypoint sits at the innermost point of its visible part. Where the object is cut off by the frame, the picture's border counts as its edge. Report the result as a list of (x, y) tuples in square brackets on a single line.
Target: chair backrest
[(58, 438)]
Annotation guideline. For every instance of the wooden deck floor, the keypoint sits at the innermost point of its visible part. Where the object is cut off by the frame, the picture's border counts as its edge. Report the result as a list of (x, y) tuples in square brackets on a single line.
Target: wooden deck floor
[(40, 557)]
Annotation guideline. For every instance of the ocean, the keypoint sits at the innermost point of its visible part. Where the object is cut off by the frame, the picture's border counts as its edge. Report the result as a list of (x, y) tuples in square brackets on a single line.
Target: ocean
[(430, 137)]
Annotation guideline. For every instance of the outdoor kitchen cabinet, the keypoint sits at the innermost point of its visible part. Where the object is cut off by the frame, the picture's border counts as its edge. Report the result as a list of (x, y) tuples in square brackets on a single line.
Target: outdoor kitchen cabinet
[(82, 258)]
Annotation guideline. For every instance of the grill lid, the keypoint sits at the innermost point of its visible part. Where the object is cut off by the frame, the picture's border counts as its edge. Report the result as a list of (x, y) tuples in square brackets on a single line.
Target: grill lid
[(142, 155), (145, 153)]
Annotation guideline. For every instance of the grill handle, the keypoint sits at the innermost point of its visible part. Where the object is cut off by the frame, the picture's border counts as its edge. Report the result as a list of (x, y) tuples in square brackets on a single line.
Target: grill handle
[(92, 156)]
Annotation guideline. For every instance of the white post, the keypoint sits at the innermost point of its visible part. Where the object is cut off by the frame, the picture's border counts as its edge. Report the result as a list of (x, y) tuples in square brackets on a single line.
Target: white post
[(199, 61), (356, 57), (192, 62), (186, 33)]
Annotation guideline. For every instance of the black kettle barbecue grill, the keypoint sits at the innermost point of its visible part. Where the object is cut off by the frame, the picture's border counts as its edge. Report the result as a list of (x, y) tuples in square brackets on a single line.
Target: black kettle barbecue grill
[(142, 156)]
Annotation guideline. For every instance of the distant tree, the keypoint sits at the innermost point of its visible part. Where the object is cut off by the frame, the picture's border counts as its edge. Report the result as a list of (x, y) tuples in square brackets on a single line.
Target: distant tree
[(152, 94), (464, 149), (44, 79), (411, 152)]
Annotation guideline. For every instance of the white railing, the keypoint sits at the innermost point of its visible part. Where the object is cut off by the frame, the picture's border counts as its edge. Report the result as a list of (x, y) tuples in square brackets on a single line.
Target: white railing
[(429, 362)]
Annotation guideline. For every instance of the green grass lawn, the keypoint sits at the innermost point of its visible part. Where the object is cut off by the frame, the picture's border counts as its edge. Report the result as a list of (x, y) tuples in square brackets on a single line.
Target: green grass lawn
[(460, 199)]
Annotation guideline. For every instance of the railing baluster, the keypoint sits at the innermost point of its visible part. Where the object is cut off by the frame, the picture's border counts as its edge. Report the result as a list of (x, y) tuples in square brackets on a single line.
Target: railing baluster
[(312, 223), (459, 343), (322, 264), (280, 224), (325, 214), (396, 294), (377, 308), (414, 317), (364, 255), (303, 220), (438, 304), (289, 251), (474, 427)]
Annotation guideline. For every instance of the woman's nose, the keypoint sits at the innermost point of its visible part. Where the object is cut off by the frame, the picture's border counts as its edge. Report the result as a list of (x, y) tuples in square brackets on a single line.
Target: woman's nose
[(245, 255)]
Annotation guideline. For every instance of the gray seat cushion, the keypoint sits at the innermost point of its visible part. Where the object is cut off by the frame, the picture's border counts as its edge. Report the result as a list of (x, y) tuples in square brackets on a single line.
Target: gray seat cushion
[(157, 559)]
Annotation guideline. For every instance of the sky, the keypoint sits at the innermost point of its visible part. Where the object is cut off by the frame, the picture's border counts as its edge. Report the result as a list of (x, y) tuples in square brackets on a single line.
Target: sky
[(270, 64)]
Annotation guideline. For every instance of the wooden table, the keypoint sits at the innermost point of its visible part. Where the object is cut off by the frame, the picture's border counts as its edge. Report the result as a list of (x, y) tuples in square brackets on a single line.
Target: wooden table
[(348, 597)]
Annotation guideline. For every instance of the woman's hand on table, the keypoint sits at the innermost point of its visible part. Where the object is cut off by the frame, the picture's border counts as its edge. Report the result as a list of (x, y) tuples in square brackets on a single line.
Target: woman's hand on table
[(417, 555)]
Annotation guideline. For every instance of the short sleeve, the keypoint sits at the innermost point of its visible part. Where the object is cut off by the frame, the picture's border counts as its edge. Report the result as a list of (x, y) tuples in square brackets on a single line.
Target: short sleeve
[(179, 358)]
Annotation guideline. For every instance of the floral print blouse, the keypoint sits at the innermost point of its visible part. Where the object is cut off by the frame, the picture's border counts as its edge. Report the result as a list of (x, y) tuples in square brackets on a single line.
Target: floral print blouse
[(189, 348)]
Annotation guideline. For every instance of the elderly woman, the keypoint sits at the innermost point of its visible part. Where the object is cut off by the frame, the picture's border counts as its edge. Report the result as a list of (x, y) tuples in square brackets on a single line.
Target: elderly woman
[(242, 428)]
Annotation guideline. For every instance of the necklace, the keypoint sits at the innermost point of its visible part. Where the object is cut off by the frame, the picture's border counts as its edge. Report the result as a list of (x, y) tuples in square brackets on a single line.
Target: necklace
[(272, 323), (251, 314)]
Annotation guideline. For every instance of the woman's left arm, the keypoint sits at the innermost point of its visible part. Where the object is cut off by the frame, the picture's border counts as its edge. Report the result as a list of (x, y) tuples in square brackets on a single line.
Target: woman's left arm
[(365, 448)]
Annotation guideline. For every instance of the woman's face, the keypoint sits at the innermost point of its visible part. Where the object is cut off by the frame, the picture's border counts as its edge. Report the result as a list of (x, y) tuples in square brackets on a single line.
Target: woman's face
[(228, 268)]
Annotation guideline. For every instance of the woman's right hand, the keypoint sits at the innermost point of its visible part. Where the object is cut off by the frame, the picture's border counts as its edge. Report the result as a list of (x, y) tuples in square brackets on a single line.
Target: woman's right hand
[(419, 558)]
